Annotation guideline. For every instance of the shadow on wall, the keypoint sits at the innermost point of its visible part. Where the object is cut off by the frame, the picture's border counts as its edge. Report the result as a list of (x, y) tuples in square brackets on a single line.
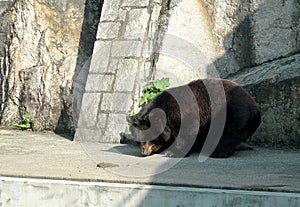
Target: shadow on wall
[(239, 50), (70, 112), (238, 44)]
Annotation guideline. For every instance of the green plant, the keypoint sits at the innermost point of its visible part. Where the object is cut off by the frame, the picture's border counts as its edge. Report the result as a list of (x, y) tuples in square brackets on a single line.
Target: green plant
[(25, 124), (152, 88), (288, 55)]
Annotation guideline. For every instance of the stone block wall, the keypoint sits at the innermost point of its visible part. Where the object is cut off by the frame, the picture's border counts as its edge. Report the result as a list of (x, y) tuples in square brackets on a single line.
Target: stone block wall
[(232, 37), (121, 62)]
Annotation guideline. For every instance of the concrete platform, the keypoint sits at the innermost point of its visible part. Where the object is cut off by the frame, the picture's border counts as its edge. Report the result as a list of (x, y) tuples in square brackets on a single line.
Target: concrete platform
[(47, 159)]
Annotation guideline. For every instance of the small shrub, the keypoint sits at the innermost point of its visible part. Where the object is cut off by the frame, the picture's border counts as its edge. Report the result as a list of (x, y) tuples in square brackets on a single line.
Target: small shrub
[(152, 88), (25, 124)]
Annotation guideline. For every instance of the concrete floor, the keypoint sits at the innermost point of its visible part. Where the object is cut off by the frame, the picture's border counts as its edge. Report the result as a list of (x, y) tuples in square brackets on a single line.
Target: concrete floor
[(47, 155)]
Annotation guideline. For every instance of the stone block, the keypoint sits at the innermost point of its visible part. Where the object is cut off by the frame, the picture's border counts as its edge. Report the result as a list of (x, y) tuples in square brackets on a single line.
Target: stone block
[(154, 21), (137, 23), (127, 71), (100, 58), (116, 102), (88, 135), (115, 125), (145, 71), (110, 10), (158, 1), (113, 66), (89, 110), (123, 15), (190, 48), (148, 48), (135, 3), (155, 12), (99, 82), (101, 120), (274, 30), (1, 61), (108, 30), (180, 71), (126, 49)]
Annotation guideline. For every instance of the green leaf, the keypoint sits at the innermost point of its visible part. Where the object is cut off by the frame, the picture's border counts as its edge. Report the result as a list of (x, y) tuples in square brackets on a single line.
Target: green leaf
[(25, 124), (152, 88), (288, 55), (147, 87), (146, 98), (162, 84), (142, 101), (150, 96), (26, 119)]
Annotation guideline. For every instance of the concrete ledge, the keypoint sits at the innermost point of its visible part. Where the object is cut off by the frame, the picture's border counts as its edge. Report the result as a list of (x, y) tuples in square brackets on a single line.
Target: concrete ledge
[(42, 192), (45, 169)]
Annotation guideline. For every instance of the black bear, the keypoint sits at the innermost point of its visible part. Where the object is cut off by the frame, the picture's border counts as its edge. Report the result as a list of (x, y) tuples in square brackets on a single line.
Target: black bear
[(215, 113)]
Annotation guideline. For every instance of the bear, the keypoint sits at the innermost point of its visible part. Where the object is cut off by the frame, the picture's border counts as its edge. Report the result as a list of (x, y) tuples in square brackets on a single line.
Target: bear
[(215, 113)]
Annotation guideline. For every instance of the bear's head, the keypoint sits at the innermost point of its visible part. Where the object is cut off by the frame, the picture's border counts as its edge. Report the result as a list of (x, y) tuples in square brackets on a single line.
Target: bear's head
[(150, 130)]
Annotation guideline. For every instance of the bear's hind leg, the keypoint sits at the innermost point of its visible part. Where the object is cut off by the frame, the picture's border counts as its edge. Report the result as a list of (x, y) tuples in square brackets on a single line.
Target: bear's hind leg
[(223, 151)]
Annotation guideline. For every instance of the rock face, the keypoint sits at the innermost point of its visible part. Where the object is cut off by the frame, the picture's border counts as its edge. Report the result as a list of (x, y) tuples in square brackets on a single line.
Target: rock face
[(39, 60), (253, 32), (236, 34), (4, 4), (41, 42), (276, 88)]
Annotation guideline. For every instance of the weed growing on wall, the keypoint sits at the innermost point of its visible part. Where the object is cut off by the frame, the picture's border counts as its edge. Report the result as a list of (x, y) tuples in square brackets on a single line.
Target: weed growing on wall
[(152, 88), (25, 124)]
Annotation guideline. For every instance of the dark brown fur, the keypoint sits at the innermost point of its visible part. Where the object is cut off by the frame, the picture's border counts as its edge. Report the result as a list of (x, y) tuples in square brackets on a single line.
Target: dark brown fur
[(243, 118)]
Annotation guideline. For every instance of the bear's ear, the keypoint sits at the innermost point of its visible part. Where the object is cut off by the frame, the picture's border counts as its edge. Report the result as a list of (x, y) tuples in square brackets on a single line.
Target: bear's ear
[(134, 120), (139, 122), (166, 134)]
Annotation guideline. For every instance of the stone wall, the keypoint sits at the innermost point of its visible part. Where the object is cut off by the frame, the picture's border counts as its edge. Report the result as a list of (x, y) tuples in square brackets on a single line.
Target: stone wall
[(185, 40), (120, 63)]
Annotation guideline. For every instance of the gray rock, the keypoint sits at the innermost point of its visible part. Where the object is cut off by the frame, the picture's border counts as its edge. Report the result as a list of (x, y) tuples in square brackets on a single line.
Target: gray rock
[(276, 88), (250, 33), (40, 61), (4, 4), (41, 52)]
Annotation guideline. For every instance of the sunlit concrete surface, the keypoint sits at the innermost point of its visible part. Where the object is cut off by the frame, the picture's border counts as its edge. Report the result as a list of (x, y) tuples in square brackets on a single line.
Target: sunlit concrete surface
[(44, 166)]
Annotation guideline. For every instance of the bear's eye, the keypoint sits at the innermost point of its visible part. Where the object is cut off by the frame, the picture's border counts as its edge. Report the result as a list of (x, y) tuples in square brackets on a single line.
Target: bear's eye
[(144, 124), (136, 121)]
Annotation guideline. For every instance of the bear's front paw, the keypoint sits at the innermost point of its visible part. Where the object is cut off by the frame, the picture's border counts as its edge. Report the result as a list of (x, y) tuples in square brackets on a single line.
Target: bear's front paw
[(175, 154), (169, 154)]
